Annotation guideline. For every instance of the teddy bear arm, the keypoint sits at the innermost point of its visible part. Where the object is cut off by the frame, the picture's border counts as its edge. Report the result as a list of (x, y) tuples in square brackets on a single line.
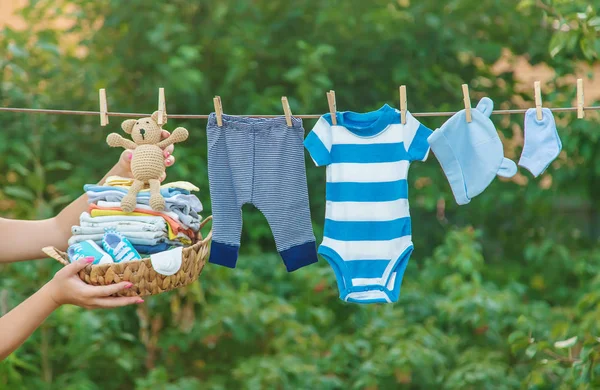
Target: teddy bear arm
[(115, 140), (179, 135)]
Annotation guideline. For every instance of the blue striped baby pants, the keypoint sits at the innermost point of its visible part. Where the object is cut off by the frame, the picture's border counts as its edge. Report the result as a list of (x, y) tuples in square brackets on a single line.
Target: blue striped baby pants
[(259, 161)]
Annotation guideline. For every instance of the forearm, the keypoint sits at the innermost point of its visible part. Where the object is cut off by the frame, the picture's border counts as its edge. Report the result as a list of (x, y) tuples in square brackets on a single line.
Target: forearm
[(69, 216), (23, 320), (24, 240)]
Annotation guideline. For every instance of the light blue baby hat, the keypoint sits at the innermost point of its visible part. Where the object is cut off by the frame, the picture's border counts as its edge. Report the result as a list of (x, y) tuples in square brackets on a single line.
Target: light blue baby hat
[(471, 153)]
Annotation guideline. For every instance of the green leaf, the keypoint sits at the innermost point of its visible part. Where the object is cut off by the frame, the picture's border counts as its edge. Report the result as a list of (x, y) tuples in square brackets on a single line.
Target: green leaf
[(19, 192), (531, 351), (23, 150), (557, 43), (20, 169), (17, 51), (58, 165), (587, 47), (594, 22), (568, 343), (49, 47)]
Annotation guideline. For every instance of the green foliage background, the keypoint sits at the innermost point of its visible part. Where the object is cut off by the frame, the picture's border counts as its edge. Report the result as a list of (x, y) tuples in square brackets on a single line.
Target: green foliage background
[(492, 286)]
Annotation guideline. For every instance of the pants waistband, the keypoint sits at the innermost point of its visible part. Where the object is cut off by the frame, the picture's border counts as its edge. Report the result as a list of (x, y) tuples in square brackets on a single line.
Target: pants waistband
[(253, 124)]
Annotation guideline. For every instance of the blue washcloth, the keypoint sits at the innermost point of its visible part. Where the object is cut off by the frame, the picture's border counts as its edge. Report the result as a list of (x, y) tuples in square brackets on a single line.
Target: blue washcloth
[(542, 143), (471, 153)]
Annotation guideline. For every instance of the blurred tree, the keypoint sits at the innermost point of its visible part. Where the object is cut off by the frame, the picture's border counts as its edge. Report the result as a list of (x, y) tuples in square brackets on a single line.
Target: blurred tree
[(512, 303)]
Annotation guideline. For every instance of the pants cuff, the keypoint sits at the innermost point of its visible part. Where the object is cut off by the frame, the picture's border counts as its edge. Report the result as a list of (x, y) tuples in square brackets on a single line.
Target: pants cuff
[(299, 256), (223, 254)]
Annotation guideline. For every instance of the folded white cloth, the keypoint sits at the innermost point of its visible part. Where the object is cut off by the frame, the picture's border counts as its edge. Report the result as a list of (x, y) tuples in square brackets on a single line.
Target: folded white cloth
[(121, 227), (186, 221), (186, 204), (87, 220), (137, 206), (148, 231), (142, 238)]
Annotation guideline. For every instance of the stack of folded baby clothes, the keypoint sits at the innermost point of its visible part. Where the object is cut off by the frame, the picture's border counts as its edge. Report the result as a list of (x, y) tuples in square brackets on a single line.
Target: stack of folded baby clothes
[(147, 230)]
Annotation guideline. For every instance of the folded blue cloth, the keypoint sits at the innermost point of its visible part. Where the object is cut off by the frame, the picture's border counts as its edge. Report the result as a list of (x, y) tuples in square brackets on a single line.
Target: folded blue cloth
[(151, 249), (471, 153), (165, 192)]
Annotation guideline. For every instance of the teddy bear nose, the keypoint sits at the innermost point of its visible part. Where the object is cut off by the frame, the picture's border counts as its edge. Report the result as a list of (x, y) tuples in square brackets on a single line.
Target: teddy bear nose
[(142, 131)]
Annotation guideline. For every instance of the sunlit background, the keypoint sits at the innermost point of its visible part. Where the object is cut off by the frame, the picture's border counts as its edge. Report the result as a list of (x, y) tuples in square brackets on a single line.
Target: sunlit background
[(502, 293)]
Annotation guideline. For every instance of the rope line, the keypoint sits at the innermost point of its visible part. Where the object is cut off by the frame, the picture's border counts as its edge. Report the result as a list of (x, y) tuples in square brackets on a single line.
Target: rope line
[(306, 116)]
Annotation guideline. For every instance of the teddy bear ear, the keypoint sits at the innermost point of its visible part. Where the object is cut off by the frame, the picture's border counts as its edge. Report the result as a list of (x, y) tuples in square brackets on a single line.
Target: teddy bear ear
[(155, 116), (127, 125)]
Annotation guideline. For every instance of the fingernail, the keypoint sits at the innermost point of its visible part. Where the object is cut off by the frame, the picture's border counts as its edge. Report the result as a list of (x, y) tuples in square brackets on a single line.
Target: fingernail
[(167, 154), (128, 285), (89, 259), (139, 301), (130, 156)]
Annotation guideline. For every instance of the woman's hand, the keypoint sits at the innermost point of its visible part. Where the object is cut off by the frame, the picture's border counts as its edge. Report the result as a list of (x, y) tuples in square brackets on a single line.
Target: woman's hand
[(67, 288), (127, 155)]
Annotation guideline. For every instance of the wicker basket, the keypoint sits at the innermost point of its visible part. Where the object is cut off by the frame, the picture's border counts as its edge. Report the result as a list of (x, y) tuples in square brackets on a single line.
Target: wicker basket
[(146, 281)]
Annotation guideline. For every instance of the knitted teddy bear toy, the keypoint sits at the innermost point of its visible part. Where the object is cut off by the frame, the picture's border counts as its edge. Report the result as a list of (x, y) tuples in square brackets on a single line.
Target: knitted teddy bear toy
[(147, 163)]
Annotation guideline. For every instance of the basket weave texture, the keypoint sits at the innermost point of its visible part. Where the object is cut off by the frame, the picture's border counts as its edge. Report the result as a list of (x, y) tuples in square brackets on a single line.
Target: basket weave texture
[(146, 281)]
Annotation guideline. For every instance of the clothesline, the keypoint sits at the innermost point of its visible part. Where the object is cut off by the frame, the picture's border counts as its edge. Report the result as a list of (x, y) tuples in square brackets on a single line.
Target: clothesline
[(306, 116)]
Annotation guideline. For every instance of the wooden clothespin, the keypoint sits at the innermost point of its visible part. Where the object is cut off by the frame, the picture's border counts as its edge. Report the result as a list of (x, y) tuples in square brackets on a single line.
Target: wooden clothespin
[(538, 100), (162, 107), (332, 106), (580, 99), (467, 100), (287, 111), (103, 108), (218, 110), (403, 104)]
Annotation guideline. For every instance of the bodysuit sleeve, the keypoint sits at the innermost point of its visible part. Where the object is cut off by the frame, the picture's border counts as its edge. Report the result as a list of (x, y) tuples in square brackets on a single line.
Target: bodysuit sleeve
[(415, 139), (318, 142)]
